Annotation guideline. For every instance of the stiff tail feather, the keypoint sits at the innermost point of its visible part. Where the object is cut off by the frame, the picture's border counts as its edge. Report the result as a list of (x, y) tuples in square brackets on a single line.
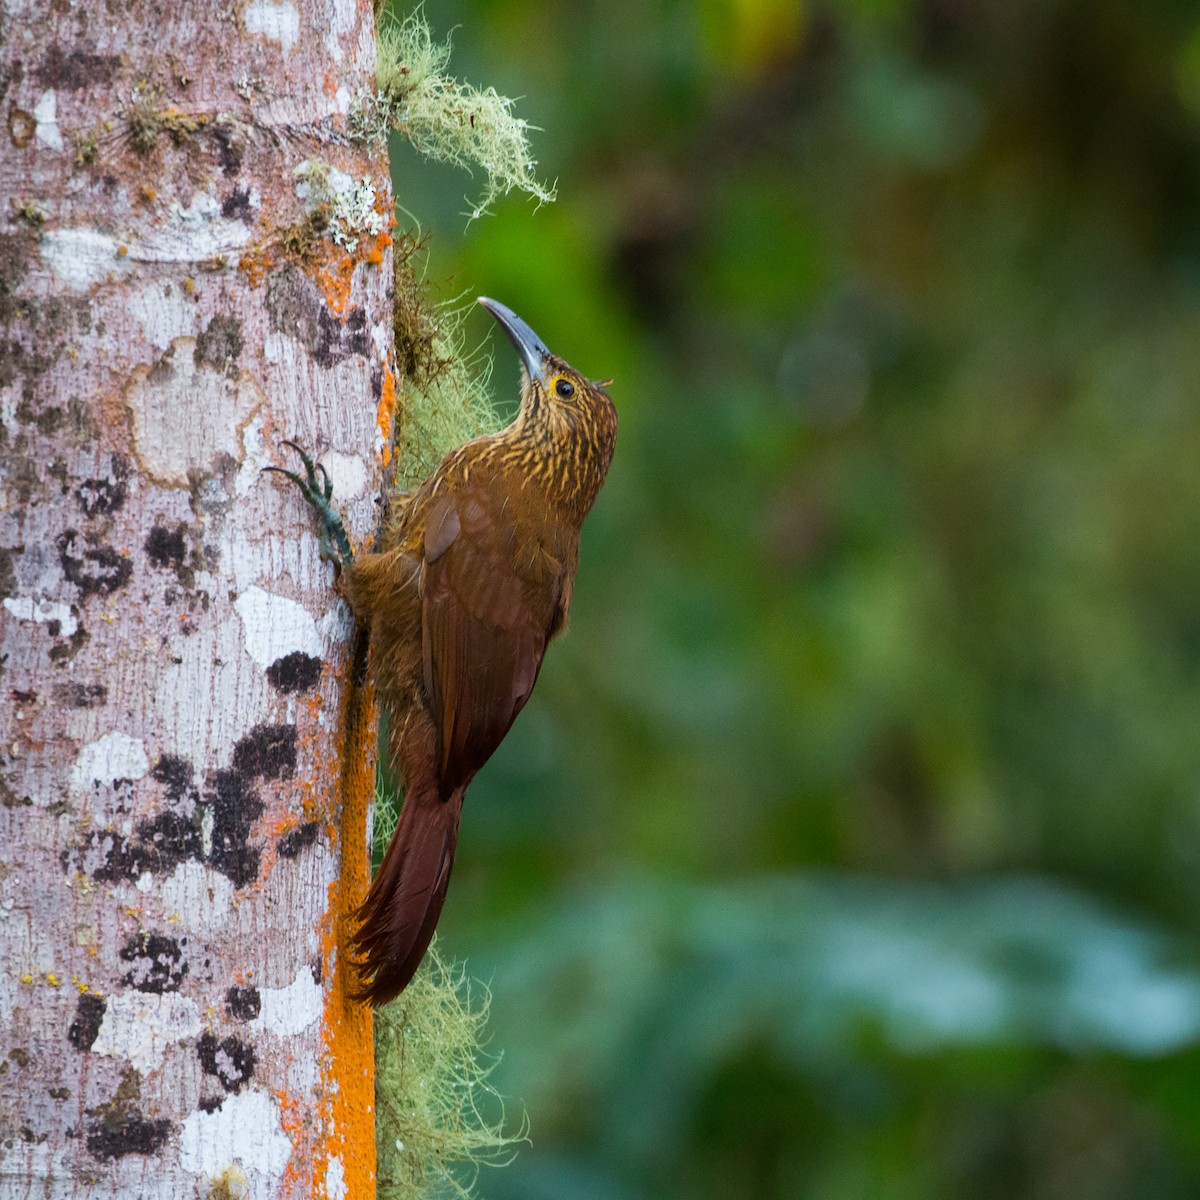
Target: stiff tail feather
[(397, 919)]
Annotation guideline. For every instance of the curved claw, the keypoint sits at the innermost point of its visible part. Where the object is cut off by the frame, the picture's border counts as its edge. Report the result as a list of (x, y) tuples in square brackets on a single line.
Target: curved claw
[(335, 545)]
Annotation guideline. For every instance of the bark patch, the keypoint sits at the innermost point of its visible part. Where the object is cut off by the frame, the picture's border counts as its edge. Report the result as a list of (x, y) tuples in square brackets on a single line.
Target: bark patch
[(81, 695), (220, 346), (297, 309), (167, 400), (78, 68)]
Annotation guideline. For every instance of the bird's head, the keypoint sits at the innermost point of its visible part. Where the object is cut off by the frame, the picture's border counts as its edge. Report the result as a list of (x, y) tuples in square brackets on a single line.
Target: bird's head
[(570, 416), (546, 378)]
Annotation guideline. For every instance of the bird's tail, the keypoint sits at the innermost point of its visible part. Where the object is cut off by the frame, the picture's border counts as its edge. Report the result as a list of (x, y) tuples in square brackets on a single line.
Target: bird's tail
[(397, 919)]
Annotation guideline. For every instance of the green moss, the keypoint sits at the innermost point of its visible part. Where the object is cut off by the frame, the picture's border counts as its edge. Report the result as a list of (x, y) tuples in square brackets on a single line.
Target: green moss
[(431, 1089), (444, 398), (445, 119)]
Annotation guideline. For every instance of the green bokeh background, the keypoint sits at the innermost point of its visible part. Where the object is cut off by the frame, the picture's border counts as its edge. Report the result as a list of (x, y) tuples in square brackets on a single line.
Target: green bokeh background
[(850, 844)]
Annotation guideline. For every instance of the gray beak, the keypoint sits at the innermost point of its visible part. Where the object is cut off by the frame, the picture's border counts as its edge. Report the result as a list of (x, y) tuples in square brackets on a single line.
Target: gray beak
[(529, 346)]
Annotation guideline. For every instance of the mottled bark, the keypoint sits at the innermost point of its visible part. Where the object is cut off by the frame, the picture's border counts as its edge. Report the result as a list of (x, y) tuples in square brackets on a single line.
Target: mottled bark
[(182, 827)]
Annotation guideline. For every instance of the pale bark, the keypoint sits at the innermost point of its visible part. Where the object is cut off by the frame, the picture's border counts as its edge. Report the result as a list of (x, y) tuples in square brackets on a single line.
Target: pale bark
[(182, 828)]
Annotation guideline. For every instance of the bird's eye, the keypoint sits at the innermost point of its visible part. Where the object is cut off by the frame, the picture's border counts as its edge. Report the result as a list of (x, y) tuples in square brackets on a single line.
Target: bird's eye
[(565, 388)]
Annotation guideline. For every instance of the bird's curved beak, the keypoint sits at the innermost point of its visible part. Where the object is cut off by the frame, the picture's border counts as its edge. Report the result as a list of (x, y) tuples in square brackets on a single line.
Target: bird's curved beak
[(529, 346)]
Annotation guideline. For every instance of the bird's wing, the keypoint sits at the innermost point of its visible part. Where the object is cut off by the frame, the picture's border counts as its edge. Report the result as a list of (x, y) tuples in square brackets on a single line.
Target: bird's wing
[(485, 625)]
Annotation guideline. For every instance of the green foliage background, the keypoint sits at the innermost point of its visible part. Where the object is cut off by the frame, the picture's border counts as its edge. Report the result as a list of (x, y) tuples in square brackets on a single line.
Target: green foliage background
[(850, 845)]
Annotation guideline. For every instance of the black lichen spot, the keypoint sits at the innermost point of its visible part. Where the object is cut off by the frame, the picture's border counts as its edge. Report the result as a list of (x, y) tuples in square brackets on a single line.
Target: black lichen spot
[(166, 548), (174, 773), (300, 838), (243, 1003), (160, 845), (157, 963), (229, 151), (51, 420), (267, 751), (17, 250), (220, 346), (237, 204), (99, 571), (78, 69), (235, 808), (63, 652), (81, 695), (295, 672), (124, 1133), (99, 497), (89, 1012), (231, 1060), (8, 575), (297, 309), (210, 1104)]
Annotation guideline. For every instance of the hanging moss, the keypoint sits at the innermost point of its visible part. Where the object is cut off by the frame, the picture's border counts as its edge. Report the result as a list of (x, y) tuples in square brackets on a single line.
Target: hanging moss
[(438, 1120), (444, 118)]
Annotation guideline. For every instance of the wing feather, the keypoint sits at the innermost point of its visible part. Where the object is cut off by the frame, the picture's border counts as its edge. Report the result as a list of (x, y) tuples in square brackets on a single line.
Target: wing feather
[(486, 619)]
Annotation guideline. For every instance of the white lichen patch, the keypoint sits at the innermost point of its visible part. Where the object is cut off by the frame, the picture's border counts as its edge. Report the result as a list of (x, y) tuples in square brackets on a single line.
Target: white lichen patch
[(246, 1130), (290, 1010), (275, 22), (337, 624), (140, 1026), (341, 18), (45, 113), (185, 416), (25, 608), (335, 1179), (82, 258), (196, 896), (351, 208), (112, 757), (163, 312), (347, 473), (209, 662), (254, 457), (275, 626)]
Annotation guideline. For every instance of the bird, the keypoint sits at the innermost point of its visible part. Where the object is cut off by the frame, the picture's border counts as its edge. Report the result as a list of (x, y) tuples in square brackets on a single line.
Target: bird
[(467, 585)]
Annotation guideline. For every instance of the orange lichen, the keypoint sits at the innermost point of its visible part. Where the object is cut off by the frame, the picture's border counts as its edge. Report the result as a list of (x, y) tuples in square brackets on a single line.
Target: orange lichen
[(334, 278), (348, 1065), (385, 417), (256, 264)]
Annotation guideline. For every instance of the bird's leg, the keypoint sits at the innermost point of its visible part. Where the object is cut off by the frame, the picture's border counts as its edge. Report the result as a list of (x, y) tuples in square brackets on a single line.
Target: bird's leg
[(335, 545)]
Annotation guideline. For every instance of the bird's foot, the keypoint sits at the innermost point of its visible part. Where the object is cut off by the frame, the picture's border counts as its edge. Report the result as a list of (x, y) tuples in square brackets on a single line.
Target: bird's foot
[(335, 545)]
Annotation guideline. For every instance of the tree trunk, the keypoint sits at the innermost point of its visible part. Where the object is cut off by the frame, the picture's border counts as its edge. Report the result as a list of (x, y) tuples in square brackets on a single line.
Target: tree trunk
[(186, 761)]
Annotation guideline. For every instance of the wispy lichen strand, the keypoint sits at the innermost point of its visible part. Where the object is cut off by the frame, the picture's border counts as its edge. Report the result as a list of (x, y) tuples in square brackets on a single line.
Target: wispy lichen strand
[(430, 1087), (445, 119)]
